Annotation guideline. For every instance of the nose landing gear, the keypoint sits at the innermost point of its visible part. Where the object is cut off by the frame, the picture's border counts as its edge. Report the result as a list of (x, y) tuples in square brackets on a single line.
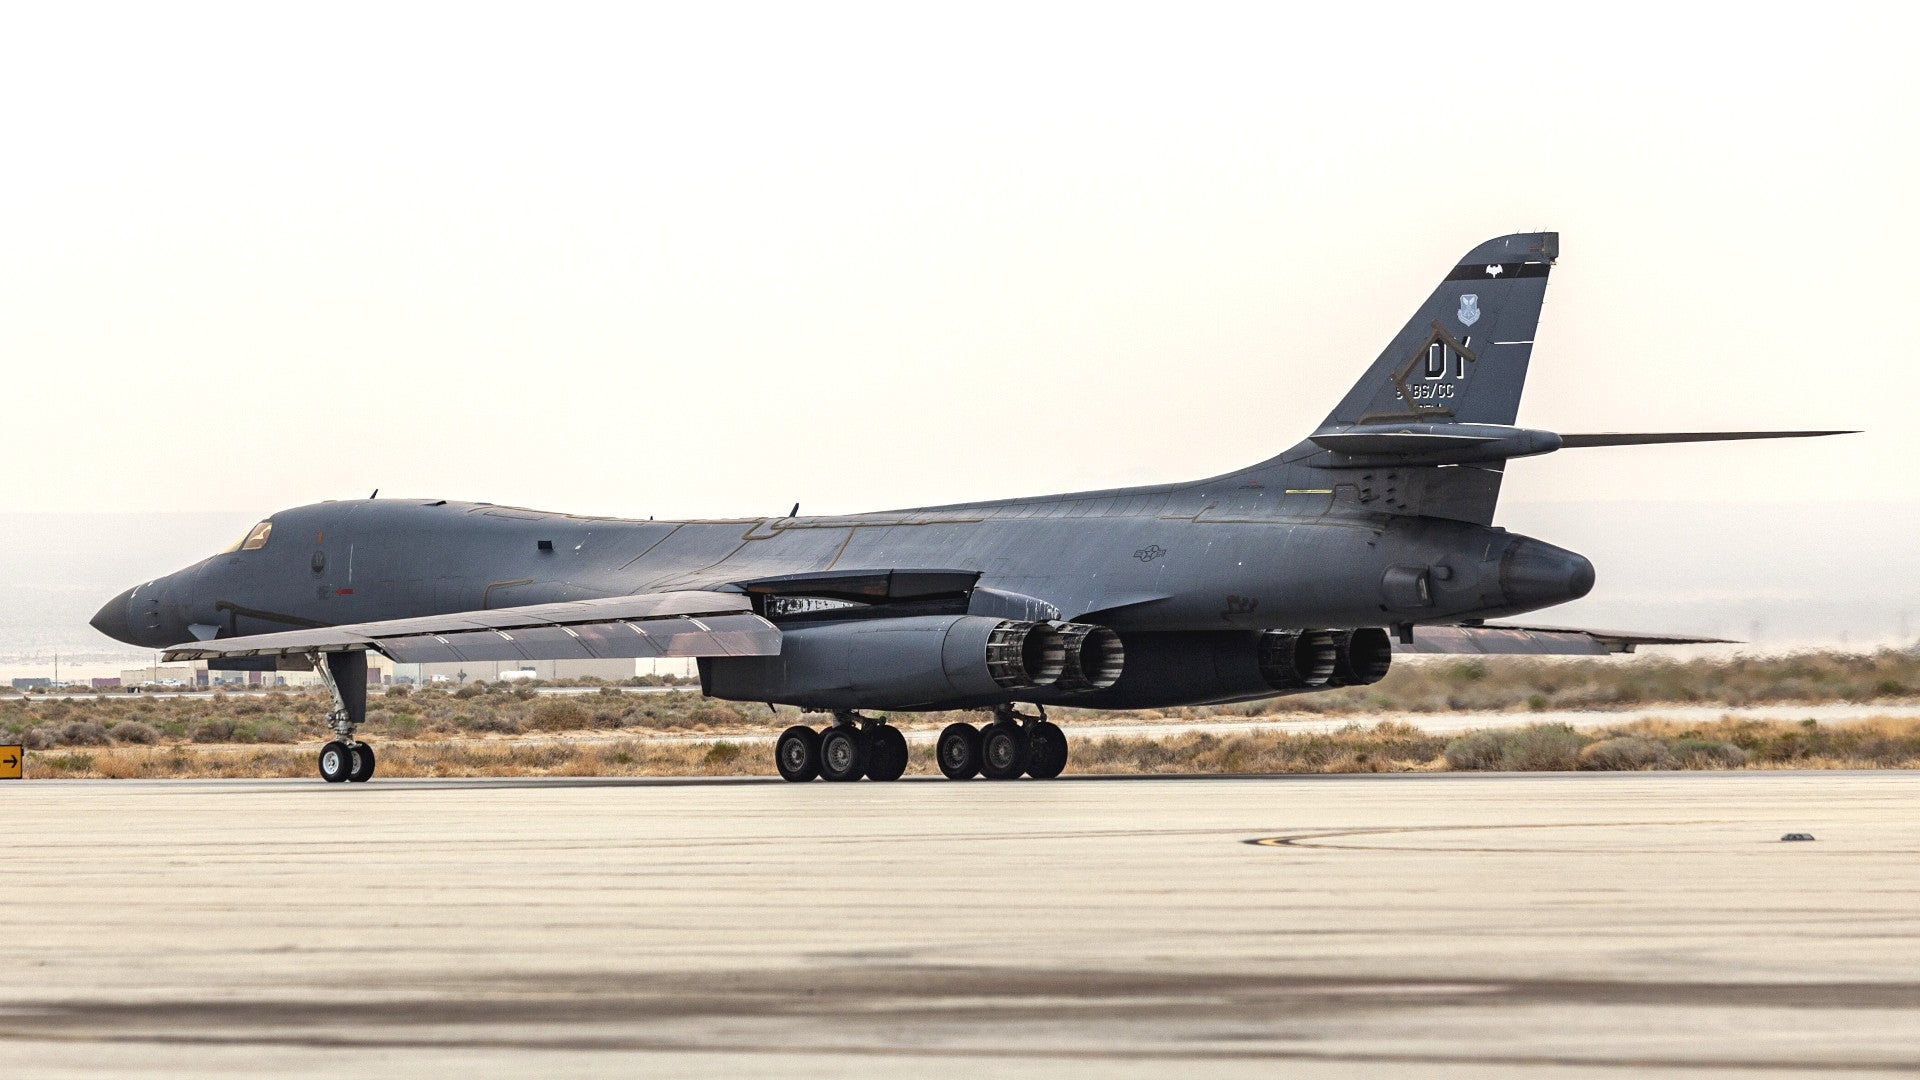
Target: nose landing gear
[(345, 758)]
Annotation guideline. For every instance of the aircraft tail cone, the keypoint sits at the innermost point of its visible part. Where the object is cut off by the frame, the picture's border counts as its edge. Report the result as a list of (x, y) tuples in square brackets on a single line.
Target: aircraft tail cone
[(1535, 575)]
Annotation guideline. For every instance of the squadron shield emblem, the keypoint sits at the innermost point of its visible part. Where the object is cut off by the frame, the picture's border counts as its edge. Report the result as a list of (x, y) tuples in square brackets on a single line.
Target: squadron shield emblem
[(1469, 309)]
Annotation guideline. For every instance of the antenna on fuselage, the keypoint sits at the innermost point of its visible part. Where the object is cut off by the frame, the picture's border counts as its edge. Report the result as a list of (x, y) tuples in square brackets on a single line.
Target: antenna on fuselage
[(375, 495), (795, 512)]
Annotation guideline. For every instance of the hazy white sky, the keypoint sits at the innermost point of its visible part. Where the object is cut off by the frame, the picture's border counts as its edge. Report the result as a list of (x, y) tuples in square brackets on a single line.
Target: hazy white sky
[(694, 259)]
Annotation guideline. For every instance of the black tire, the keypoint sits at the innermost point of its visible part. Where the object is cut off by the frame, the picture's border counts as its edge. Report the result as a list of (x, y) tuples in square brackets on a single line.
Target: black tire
[(843, 753), (796, 753), (361, 770), (886, 753), (336, 761), (958, 752), (1003, 752), (1048, 756)]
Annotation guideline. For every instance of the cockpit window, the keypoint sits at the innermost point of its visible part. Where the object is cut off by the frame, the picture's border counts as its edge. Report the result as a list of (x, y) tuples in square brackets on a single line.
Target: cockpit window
[(255, 539)]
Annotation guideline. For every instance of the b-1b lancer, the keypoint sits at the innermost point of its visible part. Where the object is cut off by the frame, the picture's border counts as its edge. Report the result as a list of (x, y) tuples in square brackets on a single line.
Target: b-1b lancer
[(1300, 573)]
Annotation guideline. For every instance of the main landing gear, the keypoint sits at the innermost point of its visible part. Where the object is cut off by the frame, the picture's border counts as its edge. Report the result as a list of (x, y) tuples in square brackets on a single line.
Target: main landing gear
[(854, 746), (345, 758), (1012, 744), (851, 747)]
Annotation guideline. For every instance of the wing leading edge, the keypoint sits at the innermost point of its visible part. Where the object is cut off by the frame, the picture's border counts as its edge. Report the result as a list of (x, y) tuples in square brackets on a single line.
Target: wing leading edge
[(616, 627)]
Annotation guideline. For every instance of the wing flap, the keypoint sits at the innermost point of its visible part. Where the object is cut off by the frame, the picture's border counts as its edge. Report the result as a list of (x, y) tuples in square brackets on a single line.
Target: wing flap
[(646, 625)]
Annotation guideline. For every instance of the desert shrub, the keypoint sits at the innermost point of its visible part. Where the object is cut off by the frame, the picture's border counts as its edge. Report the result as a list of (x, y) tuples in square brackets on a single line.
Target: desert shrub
[(133, 732), (264, 731), (1626, 753), (503, 725), (213, 730), (720, 753), (559, 714), (1708, 754), (83, 733), (40, 737), (1542, 748), (715, 714), (607, 718), (1534, 748), (1476, 751), (1468, 671)]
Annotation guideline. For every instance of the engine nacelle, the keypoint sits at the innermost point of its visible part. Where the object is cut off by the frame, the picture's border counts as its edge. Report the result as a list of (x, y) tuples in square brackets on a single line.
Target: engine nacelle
[(1094, 656), (1323, 659), (1297, 661), (1216, 667), (1361, 657), (918, 662)]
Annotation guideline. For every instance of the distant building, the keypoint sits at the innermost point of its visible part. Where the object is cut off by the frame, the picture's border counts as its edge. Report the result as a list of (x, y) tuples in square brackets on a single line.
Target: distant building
[(173, 676), (105, 684), (24, 685), (514, 670)]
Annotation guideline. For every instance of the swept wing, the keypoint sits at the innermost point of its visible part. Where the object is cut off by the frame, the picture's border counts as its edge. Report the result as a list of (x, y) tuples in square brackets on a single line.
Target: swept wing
[(1509, 640), (692, 623)]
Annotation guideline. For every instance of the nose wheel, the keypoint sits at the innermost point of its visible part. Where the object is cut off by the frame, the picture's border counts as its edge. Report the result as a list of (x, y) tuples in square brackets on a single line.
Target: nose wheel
[(336, 761), (345, 759)]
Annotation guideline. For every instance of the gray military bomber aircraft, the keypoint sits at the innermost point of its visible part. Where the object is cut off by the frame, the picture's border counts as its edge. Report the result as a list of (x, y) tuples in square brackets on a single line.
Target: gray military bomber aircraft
[(1300, 573)]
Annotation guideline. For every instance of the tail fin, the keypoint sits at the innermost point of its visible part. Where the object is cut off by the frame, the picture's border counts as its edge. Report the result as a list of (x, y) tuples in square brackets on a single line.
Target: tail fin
[(1462, 358)]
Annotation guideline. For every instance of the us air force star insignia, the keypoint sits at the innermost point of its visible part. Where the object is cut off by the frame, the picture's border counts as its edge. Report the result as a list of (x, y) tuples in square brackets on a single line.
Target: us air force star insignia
[(1493, 269), (1469, 309)]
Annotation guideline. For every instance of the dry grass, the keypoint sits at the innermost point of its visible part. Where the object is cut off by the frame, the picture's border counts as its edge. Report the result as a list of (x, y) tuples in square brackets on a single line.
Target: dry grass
[(1427, 685), (1513, 683), (468, 731), (1881, 743)]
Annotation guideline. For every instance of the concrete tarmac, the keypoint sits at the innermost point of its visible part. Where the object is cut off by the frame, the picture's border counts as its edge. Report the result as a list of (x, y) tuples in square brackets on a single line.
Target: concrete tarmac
[(1398, 925)]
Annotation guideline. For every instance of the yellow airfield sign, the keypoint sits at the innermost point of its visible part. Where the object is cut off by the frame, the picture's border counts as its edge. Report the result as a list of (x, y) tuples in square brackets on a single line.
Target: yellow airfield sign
[(13, 762)]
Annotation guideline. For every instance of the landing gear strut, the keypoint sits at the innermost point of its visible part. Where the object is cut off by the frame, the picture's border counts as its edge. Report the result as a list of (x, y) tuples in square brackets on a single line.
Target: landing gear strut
[(345, 758), (851, 747)]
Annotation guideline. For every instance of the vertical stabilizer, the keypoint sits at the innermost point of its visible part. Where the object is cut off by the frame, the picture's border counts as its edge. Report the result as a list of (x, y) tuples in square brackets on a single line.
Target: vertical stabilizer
[(1463, 356), (1461, 360)]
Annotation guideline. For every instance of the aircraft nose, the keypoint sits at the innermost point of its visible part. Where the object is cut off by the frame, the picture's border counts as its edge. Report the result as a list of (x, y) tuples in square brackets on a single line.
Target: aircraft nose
[(1536, 574), (112, 619)]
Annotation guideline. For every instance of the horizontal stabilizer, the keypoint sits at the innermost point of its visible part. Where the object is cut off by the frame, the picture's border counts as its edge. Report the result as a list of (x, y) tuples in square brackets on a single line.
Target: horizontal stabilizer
[(615, 627), (1649, 438), (1506, 640), (1367, 445)]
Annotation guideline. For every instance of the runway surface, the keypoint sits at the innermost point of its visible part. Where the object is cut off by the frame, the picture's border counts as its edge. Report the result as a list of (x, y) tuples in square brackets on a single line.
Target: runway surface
[(1399, 925)]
